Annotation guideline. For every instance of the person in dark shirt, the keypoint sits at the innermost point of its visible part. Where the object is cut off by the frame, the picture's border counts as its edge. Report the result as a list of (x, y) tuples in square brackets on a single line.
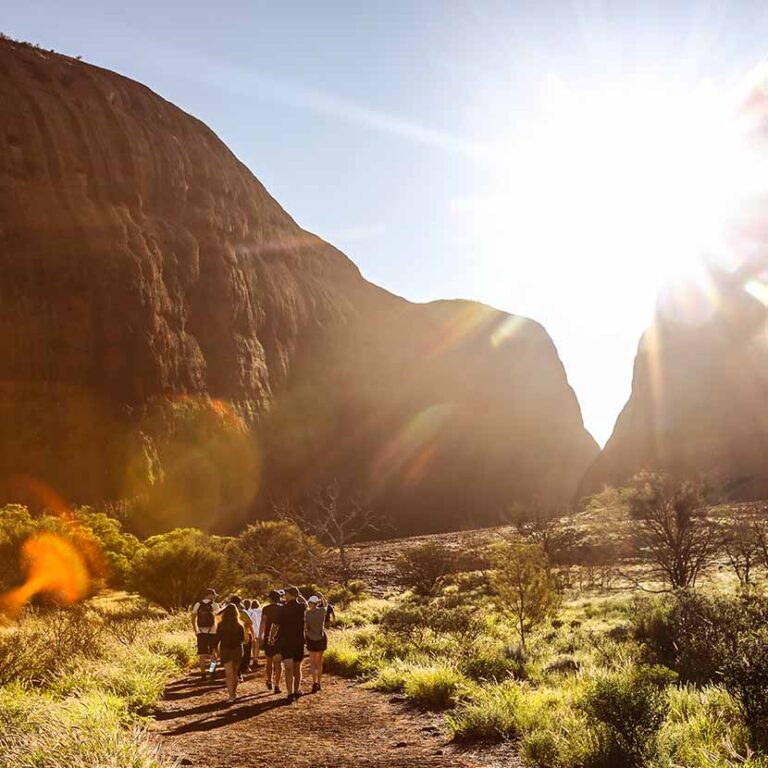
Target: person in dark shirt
[(288, 631), (230, 636), (268, 615)]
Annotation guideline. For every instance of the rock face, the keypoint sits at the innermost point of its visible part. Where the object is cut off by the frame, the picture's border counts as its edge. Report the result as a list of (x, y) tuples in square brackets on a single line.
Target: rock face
[(171, 337), (699, 402)]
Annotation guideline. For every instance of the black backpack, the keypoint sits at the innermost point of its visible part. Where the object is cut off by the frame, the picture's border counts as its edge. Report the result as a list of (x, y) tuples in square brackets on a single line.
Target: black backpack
[(205, 616)]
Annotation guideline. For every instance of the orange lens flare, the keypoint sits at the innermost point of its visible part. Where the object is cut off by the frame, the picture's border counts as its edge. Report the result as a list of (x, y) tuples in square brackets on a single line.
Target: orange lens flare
[(54, 567)]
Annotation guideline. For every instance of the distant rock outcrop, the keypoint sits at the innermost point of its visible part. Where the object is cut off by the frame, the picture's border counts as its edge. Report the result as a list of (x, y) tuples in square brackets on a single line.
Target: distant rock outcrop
[(171, 337), (699, 402)]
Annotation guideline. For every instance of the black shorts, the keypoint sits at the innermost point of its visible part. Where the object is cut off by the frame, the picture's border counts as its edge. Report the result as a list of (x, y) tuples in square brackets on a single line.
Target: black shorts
[(318, 645), (269, 649), (206, 643), (232, 654), (295, 652)]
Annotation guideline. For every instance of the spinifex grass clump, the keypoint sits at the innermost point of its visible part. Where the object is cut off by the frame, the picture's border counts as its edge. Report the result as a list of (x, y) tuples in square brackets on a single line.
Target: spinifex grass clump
[(90, 730), (75, 701)]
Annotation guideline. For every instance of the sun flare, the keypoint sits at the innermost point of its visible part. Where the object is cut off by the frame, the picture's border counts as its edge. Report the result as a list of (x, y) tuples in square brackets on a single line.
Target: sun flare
[(645, 177)]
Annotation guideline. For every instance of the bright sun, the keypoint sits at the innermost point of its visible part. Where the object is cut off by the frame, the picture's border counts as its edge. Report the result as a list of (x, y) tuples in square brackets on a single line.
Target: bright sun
[(600, 200), (632, 176)]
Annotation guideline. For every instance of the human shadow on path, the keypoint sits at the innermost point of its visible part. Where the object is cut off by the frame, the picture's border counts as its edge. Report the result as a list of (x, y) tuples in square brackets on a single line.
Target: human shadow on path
[(228, 714)]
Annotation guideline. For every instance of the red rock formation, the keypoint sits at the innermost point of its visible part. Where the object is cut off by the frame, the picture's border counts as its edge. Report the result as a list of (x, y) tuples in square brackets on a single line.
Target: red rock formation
[(170, 335), (699, 402)]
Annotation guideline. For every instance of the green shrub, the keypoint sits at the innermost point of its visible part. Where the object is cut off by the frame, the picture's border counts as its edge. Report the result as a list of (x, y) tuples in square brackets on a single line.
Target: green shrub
[(718, 639), (435, 687), (343, 658), (177, 646), (422, 567), (627, 709), (95, 730), (704, 727), (562, 665), (487, 666), (491, 713), (342, 595), (24, 654), (136, 676), (390, 678), (195, 560)]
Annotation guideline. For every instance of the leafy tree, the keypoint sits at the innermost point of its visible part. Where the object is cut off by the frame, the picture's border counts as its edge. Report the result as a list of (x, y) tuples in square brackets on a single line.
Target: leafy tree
[(174, 569), (278, 549), (16, 525), (117, 546), (524, 585)]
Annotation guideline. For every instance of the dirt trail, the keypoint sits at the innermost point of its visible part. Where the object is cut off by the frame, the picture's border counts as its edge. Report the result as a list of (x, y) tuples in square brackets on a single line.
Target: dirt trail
[(344, 726)]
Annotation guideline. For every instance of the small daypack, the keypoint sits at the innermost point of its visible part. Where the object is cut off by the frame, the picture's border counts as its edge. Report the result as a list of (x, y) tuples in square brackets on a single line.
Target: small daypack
[(205, 616)]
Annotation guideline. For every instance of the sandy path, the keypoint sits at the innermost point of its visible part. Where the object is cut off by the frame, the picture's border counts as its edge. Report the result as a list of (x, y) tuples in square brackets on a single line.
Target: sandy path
[(344, 726)]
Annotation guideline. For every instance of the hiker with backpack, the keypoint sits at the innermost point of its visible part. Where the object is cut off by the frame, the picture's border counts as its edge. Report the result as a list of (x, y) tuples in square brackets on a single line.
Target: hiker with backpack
[(287, 634), (317, 639), (204, 626), (230, 636), (269, 614)]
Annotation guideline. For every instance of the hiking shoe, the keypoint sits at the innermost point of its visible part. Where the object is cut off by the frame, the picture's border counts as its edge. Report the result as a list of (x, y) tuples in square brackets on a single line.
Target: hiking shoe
[(298, 694), (315, 687), (277, 689), (290, 698), (269, 684)]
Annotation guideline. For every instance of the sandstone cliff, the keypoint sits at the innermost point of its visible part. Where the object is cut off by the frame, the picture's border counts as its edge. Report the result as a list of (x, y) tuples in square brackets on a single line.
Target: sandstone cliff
[(170, 336), (700, 389)]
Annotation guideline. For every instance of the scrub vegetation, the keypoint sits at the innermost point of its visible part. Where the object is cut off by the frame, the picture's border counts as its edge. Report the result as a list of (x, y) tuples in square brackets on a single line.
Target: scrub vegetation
[(632, 632)]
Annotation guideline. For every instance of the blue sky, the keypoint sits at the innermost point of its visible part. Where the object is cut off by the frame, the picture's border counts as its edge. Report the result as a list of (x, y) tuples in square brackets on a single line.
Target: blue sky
[(385, 126)]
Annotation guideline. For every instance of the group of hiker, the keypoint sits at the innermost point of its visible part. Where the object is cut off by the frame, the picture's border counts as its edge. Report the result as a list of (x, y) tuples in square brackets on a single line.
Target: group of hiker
[(235, 631)]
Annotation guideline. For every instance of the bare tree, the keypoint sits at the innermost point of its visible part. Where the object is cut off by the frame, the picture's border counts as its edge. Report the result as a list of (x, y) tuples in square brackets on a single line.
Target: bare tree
[(541, 524), (743, 544), (334, 521), (671, 530)]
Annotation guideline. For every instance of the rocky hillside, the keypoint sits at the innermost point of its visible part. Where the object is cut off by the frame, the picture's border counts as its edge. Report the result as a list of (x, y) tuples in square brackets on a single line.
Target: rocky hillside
[(172, 338), (699, 402)]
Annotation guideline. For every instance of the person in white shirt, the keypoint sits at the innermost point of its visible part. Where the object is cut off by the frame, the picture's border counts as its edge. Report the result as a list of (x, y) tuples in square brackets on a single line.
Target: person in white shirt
[(204, 626), (255, 613)]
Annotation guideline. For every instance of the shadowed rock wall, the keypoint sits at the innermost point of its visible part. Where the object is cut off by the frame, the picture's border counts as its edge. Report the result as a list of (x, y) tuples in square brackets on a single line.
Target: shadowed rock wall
[(170, 336)]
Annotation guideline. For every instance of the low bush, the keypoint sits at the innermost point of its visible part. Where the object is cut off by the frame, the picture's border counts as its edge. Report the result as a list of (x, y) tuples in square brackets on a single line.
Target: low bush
[(487, 666), (627, 710), (137, 676), (92, 730), (179, 647), (562, 665), (704, 727), (25, 655), (491, 713), (435, 687), (421, 568), (343, 658)]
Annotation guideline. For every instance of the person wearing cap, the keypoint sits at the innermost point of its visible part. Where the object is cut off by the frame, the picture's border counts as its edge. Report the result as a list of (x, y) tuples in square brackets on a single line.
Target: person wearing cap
[(269, 614), (288, 635), (204, 626), (316, 638)]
